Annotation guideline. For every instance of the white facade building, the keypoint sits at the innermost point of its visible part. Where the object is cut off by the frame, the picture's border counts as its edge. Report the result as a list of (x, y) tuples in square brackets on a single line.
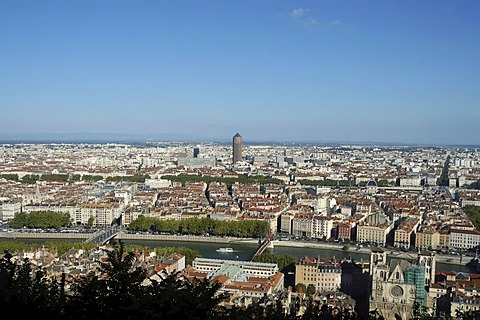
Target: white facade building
[(322, 227), (8, 210)]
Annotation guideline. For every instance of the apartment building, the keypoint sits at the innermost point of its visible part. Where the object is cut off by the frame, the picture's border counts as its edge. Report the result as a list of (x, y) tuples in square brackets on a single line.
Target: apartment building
[(404, 235), (252, 268), (8, 210), (344, 230), (322, 227), (374, 234), (374, 229), (444, 239), (455, 291), (103, 214), (464, 239), (286, 222), (325, 275), (302, 225), (427, 238), (241, 280)]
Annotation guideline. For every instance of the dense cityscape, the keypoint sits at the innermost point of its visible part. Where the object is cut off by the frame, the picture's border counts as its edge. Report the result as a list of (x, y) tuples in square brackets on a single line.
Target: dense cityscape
[(239, 160), (406, 206)]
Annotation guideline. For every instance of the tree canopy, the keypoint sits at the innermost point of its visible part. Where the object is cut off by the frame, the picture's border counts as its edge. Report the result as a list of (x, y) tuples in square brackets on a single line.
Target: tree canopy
[(227, 180), (444, 181), (326, 183), (115, 291), (41, 219), (33, 178), (202, 226), (473, 213), (285, 262), (474, 185)]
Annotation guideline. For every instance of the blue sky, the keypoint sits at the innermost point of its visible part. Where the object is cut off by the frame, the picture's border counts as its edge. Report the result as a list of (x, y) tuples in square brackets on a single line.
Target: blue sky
[(324, 70)]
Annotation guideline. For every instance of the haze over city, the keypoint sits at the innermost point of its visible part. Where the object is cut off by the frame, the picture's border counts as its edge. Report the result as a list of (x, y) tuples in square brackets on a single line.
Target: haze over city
[(281, 71)]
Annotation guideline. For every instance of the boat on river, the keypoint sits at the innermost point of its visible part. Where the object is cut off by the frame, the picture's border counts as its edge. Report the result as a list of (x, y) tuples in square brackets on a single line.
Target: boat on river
[(225, 249)]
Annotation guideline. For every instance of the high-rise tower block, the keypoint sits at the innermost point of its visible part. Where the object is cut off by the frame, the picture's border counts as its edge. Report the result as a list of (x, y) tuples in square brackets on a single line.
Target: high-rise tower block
[(237, 148)]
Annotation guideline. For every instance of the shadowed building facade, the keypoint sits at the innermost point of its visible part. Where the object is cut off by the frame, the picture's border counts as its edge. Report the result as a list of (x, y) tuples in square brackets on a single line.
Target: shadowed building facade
[(397, 284), (237, 148)]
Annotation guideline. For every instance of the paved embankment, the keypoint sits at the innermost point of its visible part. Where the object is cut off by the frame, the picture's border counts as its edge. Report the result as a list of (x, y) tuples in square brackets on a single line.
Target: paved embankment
[(452, 259), (43, 235), (166, 237)]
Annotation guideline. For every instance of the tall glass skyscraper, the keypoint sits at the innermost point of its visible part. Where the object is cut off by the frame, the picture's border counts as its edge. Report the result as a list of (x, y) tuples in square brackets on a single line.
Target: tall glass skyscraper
[(237, 148)]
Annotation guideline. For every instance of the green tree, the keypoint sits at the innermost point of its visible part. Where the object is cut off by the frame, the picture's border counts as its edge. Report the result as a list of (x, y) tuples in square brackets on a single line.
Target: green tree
[(54, 177), (285, 262), (9, 176), (25, 291), (300, 288), (116, 295), (201, 226), (473, 213), (244, 179), (311, 289), (41, 219), (90, 222), (19, 220), (30, 178), (91, 178), (117, 291), (444, 181)]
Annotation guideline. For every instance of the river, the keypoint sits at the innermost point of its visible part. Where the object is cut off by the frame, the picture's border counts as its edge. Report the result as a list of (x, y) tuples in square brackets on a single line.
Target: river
[(244, 251)]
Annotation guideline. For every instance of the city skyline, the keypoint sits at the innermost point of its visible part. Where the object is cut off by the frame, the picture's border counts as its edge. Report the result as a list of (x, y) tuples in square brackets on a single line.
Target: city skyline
[(310, 71)]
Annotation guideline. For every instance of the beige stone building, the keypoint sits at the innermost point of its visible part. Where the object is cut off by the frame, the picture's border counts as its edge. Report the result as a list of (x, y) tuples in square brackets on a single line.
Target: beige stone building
[(102, 213), (404, 234), (427, 238), (444, 239), (376, 234), (325, 275)]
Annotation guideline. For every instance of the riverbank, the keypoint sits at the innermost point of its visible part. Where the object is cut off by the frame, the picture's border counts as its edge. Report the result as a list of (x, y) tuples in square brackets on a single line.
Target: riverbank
[(448, 259), (123, 236)]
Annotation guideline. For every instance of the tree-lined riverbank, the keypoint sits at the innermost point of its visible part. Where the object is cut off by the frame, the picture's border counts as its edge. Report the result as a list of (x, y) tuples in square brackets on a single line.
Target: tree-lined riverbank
[(250, 243)]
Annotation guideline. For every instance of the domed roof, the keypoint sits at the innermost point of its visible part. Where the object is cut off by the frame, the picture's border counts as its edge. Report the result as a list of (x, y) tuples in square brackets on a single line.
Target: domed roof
[(371, 183)]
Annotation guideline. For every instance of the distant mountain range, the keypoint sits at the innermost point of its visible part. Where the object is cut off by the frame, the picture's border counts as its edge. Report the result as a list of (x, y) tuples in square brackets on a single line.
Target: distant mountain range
[(89, 137), (129, 138)]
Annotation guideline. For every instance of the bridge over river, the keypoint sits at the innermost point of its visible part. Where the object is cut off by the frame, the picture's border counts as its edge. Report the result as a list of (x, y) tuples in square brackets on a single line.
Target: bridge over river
[(103, 236)]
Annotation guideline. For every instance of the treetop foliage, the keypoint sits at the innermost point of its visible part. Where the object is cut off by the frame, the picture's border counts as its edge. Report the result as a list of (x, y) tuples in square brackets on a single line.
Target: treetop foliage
[(444, 181), (116, 291), (41, 219), (474, 185), (229, 181), (202, 226), (473, 213), (33, 178), (284, 262), (326, 183)]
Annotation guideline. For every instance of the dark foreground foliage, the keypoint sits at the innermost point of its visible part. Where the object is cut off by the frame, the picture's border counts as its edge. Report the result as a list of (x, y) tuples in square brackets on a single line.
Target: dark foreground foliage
[(117, 292)]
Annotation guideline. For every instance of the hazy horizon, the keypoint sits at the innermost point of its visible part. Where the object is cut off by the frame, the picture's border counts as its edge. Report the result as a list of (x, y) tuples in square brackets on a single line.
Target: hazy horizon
[(92, 137), (403, 72)]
